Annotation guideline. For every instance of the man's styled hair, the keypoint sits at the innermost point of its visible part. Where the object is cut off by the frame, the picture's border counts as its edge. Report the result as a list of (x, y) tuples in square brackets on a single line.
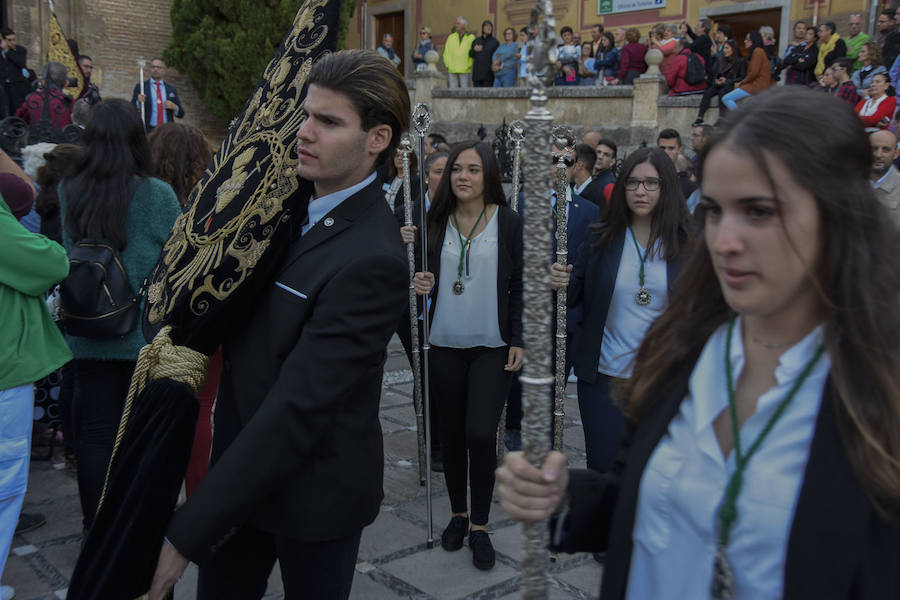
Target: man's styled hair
[(705, 24), (830, 26), (386, 36), (159, 59), (565, 29), (587, 156), (598, 27), (609, 144), (375, 88), (669, 134), (85, 57), (725, 29), (6, 31)]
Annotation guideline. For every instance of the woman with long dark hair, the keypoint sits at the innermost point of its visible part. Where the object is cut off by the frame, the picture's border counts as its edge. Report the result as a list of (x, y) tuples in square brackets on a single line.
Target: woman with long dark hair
[(607, 59), (762, 456), (622, 282), (759, 73), (475, 257), (729, 70), (111, 197)]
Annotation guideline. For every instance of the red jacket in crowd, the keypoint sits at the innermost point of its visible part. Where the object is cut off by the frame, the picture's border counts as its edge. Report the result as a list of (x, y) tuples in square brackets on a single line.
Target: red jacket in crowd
[(60, 108), (677, 71)]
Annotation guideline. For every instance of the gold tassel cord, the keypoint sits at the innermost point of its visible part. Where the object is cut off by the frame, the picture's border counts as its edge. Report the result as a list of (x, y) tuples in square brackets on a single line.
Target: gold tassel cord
[(160, 359)]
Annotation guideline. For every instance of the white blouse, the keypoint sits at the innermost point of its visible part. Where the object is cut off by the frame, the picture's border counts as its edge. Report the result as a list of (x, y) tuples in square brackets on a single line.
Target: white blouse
[(675, 529), (470, 319), (627, 321)]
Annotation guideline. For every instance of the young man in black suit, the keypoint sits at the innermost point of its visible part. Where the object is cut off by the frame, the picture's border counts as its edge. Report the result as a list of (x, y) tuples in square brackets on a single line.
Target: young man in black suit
[(582, 182), (160, 98), (297, 460)]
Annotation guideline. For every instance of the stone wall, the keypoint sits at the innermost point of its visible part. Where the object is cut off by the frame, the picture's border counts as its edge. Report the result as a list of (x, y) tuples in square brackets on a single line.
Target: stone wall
[(115, 33), (629, 115)]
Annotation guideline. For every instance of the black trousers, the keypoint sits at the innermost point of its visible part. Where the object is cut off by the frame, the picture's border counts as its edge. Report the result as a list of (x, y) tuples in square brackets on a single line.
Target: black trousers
[(471, 387), (241, 567), (101, 387), (710, 93), (404, 332)]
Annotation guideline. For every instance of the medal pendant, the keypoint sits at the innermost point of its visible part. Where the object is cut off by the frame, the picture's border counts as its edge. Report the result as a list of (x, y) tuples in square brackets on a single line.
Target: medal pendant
[(722, 587), (458, 287), (643, 297)]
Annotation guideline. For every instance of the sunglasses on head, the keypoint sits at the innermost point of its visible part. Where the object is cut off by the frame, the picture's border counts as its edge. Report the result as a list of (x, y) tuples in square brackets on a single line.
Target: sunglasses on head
[(567, 160)]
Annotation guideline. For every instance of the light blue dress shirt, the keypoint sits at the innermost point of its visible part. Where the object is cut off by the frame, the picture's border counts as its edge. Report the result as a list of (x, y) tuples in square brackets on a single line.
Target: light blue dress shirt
[(319, 207)]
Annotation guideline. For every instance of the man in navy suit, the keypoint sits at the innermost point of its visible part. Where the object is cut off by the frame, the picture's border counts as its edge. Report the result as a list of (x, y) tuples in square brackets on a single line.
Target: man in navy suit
[(581, 181), (604, 172), (160, 99)]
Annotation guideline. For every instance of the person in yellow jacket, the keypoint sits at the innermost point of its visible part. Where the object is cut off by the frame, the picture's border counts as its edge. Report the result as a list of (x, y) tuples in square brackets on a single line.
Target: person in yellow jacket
[(456, 55)]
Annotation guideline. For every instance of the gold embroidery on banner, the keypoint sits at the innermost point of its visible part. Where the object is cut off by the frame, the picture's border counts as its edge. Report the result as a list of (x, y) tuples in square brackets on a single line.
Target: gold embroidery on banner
[(256, 165)]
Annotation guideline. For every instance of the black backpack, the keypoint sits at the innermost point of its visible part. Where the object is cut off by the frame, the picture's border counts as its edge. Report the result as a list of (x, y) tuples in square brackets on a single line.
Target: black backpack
[(96, 299), (695, 73)]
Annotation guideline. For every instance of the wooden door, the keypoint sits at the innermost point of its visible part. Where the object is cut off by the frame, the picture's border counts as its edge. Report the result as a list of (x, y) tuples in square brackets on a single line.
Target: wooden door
[(743, 23), (392, 23)]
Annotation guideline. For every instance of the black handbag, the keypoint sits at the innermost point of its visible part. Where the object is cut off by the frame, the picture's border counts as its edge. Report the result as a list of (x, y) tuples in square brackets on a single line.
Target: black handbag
[(96, 299)]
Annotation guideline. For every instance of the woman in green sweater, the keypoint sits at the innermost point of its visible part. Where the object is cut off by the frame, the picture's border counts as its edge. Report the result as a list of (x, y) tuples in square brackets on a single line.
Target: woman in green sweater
[(31, 346), (112, 198)]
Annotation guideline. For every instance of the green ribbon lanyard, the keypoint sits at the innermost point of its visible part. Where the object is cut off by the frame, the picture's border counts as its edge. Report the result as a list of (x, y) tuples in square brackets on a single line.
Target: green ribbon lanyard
[(643, 258), (728, 510), (465, 246)]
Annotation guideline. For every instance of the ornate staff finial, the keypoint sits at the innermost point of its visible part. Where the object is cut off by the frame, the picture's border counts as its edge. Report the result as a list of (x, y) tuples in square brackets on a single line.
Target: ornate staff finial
[(421, 118)]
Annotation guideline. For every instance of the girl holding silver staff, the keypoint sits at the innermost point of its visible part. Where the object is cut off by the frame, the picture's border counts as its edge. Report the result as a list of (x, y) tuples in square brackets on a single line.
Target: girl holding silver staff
[(621, 283), (761, 458), (475, 253)]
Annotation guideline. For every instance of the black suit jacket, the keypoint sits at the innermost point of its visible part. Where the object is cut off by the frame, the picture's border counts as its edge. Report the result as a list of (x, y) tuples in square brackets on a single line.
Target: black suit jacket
[(591, 289), (171, 94), (838, 547), (509, 275), (298, 445)]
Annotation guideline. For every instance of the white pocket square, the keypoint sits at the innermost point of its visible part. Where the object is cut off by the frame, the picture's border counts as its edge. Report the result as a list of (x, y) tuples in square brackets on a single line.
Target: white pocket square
[(291, 290)]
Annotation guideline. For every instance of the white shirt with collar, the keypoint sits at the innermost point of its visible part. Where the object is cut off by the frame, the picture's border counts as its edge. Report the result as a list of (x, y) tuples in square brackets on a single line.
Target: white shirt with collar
[(580, 188), (675, 528), (319, 207)]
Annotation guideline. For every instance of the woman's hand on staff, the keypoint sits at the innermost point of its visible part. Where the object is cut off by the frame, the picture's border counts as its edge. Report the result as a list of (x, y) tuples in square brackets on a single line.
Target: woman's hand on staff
[(408, 233), (559, 276), (528, 493), (514, 362), (423, 282)]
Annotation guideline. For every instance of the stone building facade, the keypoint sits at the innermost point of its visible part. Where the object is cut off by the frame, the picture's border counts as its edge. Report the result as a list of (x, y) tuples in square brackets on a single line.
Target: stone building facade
[(116, 34)]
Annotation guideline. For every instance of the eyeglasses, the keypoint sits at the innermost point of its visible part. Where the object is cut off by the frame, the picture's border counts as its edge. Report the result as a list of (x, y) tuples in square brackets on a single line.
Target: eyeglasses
[(651, 184), (567, 160)]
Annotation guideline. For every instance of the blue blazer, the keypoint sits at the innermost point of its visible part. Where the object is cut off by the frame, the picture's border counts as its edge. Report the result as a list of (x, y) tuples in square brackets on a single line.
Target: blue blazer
[(591, 289), (171, 94), (582, 213)]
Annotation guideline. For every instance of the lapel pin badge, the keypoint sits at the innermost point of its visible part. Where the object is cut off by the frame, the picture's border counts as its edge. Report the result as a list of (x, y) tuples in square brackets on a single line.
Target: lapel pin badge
[(328, 222)]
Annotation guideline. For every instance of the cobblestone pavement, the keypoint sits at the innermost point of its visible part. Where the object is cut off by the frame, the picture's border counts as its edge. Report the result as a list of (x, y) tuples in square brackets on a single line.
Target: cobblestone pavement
[(394, 561)]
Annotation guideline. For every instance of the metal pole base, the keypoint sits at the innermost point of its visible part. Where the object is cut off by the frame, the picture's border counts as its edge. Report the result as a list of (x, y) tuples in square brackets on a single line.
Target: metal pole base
[(429, 544)]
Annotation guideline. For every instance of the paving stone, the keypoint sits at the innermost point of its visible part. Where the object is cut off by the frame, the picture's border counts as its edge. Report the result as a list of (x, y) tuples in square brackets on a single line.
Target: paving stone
[(28, 583), (366, 588), (586, 577), (554, 594), (389, 534), (447, 575)]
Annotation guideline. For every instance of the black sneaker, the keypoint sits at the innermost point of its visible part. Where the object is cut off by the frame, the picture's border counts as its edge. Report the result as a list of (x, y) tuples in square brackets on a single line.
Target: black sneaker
[(452, 538), (482, 549), (30, 522), (698, 123)]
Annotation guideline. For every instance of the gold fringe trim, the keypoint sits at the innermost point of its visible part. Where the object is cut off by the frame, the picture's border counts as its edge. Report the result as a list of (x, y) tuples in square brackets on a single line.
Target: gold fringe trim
[(160, 359)]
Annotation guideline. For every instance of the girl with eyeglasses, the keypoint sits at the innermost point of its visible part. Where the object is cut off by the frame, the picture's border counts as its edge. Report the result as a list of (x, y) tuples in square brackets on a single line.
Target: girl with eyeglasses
[(621, 282), (762, 457)]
